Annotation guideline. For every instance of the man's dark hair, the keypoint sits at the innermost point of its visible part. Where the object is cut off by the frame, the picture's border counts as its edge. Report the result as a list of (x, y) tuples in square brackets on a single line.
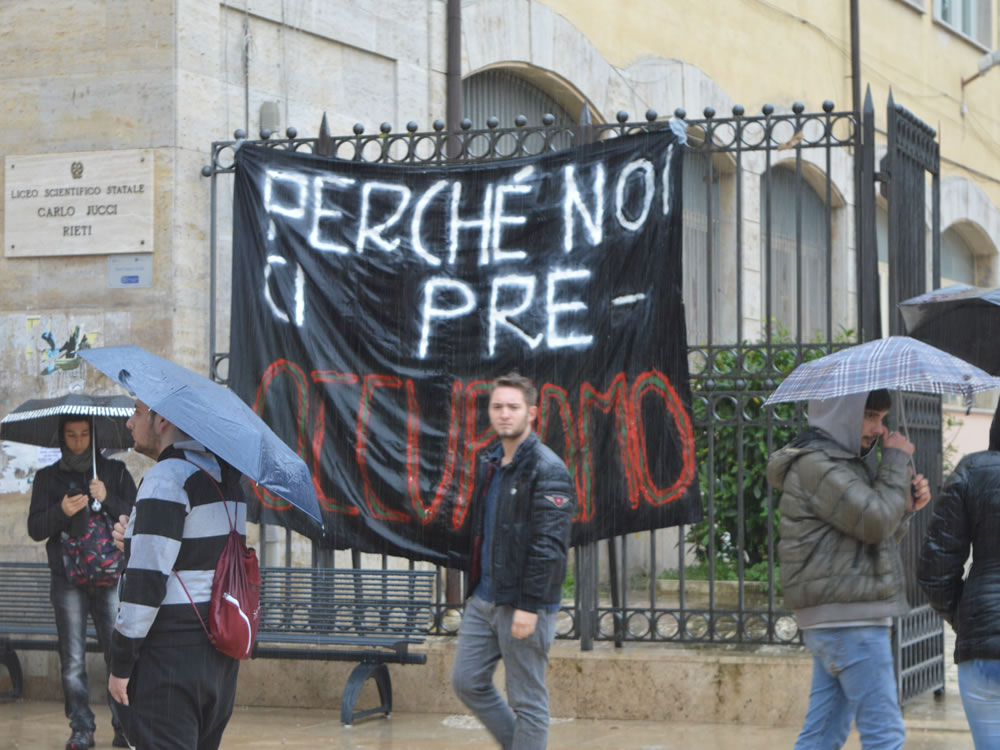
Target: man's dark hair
[(66, 419), (879, 400), (517, 380)]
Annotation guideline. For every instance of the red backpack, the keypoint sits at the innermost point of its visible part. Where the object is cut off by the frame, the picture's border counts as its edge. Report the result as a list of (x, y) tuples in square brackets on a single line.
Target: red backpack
[(234, 609)]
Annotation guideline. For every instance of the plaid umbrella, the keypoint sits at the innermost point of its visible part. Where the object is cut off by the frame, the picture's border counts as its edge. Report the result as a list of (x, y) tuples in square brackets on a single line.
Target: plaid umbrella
[(897, 363)]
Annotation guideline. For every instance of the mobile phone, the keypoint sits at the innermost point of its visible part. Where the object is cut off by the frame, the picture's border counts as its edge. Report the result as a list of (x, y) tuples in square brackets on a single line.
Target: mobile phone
[(76, 489)]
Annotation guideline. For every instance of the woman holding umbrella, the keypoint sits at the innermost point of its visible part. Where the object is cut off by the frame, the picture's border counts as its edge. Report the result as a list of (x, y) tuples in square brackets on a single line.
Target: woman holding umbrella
[(69, 499)]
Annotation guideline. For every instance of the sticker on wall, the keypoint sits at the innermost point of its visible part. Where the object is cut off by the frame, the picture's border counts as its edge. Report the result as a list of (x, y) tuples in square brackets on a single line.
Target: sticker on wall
[(57, 350)]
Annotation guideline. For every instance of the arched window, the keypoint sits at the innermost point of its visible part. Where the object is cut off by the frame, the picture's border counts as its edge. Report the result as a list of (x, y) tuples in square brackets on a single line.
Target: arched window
[(958, 261), (505, 95), (699, 296), (789, 257)]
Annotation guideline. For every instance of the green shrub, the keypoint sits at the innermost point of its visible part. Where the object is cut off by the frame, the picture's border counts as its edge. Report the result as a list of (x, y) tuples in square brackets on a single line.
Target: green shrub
[(724, 571), (568, 584), (741, 370)]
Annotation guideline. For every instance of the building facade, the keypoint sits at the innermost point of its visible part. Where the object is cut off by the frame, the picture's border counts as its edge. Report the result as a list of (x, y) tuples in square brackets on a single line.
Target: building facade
[(91, 80)]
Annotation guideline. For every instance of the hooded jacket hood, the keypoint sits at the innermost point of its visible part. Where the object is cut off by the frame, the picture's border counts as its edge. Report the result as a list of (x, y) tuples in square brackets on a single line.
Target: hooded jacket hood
[(840, 419), (834, 426)]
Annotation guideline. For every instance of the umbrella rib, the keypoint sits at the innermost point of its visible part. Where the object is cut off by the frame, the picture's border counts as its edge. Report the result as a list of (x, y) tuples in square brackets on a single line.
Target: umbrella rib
[(68, 410)]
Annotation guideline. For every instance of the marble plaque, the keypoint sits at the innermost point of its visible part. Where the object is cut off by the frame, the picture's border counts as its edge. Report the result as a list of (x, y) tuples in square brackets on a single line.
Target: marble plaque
[(85, 203)]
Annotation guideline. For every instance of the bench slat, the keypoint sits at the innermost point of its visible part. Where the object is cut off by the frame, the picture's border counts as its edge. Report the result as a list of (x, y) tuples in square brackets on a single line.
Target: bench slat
[(25, 608), (335, 606)]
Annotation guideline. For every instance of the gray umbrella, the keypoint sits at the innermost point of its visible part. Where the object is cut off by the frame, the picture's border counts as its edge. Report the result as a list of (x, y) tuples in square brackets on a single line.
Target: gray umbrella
[(212, 415)]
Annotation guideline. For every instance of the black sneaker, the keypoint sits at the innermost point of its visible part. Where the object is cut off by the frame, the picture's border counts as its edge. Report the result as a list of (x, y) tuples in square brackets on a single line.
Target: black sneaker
[(119, 740), (80, 740)]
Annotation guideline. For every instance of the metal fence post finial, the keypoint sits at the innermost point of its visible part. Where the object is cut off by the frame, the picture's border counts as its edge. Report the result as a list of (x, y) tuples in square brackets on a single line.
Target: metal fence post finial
[(324, 142)]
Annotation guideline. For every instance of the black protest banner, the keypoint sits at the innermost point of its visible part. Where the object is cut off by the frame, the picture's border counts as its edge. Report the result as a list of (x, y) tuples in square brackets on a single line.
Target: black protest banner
[(373, 303)]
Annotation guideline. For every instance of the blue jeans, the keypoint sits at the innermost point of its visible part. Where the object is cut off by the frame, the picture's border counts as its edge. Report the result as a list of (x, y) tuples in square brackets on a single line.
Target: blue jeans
[(979, 684), (483, 639), (72, 604), (852, 681)]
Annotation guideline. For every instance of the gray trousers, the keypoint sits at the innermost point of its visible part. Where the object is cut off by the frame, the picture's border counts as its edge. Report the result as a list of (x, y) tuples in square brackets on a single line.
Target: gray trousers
[(483, 639)]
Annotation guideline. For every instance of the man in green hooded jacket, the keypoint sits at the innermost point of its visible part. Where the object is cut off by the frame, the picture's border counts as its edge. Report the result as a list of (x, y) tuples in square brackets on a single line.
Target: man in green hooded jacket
[(843, 512)]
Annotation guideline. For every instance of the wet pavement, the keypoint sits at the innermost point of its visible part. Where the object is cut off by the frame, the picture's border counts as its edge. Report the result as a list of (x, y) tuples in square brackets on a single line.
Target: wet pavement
[(932, 724)]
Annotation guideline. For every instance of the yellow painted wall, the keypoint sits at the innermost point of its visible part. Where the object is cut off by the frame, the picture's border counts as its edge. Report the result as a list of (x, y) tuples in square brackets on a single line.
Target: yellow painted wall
[(782, 51)]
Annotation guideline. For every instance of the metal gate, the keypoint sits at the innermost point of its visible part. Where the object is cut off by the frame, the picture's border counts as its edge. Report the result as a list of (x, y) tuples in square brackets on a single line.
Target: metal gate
[(769, 247), (912, 153), (918, 637)]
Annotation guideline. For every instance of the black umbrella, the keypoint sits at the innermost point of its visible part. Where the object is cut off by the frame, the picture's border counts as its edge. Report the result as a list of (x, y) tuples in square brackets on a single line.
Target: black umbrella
[(36, 422), (962, 320)]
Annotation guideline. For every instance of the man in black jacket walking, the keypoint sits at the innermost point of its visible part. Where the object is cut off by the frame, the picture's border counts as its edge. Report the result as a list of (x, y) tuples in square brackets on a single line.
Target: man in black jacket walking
[(523, 506)]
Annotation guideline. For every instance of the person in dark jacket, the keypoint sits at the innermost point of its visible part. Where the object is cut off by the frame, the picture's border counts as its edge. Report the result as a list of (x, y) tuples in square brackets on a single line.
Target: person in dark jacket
[(63, 498), (967, 517), (523, 507)]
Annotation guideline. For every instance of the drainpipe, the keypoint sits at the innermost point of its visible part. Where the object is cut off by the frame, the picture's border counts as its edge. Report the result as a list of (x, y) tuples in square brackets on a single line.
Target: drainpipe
[(855, 61), (453, 115), (453, 74), (859, 193)]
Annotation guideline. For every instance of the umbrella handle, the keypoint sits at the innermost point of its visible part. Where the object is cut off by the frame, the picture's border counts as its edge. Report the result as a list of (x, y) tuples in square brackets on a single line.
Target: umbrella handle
[(93, 447), (95, 504)]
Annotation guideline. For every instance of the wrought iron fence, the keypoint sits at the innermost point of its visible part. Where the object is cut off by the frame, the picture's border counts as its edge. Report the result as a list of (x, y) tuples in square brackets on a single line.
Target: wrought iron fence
[(740, 347), (770, 253)]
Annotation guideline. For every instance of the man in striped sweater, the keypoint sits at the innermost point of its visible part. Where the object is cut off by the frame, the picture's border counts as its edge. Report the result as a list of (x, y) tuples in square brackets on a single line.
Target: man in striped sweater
[(177, 690)]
